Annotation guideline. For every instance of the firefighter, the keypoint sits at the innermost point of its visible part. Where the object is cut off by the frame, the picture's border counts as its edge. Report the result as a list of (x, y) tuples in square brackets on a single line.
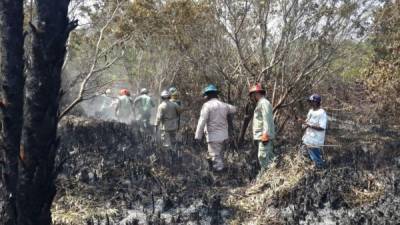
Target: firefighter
[(175, 96), (106, 110), (175, 99), (124, 108), (167, 120), (143, 105), (214, 122), (263, 126)]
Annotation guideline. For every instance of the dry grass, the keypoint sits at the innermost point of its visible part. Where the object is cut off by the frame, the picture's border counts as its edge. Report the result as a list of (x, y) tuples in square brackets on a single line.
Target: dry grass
[(80, 203), (76, 210), (253, 200), (359, 196)]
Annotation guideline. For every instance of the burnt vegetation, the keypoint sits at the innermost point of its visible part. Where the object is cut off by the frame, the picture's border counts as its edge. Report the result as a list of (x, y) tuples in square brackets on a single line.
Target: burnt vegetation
[(63, 162)]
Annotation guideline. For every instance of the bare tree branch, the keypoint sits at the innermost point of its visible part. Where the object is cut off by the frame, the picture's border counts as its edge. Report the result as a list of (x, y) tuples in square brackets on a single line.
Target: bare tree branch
[(93, 69)]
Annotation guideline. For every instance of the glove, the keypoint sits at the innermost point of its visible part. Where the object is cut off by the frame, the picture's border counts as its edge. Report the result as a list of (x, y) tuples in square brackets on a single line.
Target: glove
[(264, 138)]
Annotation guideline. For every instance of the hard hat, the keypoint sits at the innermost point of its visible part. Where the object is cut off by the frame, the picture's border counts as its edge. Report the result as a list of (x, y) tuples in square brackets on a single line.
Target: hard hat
[(144, 91), (210, 88), (256, 88), (124, 92), (315, 98), (108, 91), (173, 91), (165, 94)]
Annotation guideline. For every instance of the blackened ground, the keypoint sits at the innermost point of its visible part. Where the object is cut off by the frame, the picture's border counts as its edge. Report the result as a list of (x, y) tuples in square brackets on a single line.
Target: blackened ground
[(116, 175), (360, 185)]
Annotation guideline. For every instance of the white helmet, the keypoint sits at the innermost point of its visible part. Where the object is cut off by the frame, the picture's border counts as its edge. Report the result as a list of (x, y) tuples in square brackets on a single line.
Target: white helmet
[(144, 91), (165, 94), (108, 91)]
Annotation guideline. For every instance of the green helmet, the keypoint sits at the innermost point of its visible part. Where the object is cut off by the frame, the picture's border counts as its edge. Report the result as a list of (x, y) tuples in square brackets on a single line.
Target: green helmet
[(210, 88)]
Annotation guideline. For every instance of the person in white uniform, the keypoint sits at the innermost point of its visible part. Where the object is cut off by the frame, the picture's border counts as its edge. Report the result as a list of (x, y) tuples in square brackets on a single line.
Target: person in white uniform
[(214, 123)]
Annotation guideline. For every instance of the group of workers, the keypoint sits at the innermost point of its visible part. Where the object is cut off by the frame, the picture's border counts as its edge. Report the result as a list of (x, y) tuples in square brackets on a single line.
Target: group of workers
[(213, 122), (125, 109)]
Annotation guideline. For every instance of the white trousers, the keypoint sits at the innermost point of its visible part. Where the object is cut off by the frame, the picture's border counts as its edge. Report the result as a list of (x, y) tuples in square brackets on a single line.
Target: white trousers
[(216, 154)]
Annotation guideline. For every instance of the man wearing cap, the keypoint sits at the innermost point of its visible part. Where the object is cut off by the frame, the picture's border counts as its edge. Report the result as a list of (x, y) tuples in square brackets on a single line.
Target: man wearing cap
[(315, 127), (167, 120), (214, 122), (263, 126), (143, 105)]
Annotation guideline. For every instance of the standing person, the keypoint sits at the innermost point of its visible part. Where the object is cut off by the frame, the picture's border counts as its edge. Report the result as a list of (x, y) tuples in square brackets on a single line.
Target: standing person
[(214, 122), (106, 110), (167, 120), (124, 110), (263, 126), (175, 96), (143, 105), (175, 99), (315, 127)]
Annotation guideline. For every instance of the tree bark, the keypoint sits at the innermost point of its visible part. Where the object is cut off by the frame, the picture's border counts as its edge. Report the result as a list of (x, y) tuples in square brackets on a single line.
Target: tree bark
[(11, 101), (249, 111), (36, 188)]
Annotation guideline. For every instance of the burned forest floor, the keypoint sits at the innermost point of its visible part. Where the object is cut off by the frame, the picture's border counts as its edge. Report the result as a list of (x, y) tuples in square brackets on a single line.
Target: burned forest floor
[(113, 174)]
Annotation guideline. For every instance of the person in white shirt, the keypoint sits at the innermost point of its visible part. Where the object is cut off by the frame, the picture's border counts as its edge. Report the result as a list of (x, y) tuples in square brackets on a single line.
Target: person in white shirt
[(315, 128), (214, 123)]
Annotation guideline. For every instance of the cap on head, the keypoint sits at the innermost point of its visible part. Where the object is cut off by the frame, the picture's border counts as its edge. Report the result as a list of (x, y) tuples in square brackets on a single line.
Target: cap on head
[(315, 98), (124, 92), (165, 94), (257, 88), (108, 91), (144, 91), (211, 88)]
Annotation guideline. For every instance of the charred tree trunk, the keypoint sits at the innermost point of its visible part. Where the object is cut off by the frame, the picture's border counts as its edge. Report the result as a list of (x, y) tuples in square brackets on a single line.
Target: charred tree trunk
[(11, 96), (249, 111), (36, 188)]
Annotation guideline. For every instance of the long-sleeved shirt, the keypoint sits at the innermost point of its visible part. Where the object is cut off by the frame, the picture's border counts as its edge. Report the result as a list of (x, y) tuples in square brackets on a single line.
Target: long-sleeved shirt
[(143, 105), (124, 106), (263, 120), (214, 120), (167, 116)]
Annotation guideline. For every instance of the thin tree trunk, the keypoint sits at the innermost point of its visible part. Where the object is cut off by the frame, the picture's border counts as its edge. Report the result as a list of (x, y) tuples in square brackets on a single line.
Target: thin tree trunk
[(11, 97), (36, 188), (249, 111)]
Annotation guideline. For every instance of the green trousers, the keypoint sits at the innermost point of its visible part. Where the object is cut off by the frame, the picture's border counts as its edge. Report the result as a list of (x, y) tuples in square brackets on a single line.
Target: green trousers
[(265, 154)]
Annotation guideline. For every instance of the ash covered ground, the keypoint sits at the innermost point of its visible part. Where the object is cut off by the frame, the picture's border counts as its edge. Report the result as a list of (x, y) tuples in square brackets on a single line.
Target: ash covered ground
[(113, 174)]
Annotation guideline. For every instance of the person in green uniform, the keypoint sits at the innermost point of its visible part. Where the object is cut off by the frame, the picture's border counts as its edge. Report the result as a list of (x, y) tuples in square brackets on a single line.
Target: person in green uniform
[(263, 126), (143, 105)]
